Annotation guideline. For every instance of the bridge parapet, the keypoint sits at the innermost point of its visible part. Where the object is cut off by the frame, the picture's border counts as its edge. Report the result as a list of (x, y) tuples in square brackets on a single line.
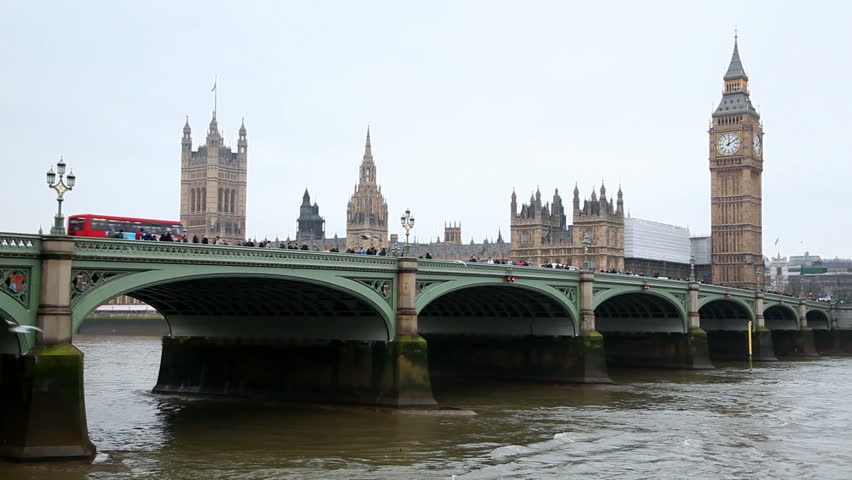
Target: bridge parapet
[(148, 251), (445, 267), (16, 243)]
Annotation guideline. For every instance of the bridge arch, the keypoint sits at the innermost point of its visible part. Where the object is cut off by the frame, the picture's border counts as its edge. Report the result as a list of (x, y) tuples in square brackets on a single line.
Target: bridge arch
[(781, 316), (724, 313), (646, 310), (818, 319), (495, 307), (261, 302)]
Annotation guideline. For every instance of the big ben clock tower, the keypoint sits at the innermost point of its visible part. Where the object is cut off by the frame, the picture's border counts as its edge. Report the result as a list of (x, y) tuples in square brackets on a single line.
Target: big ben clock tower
[(736, 165)]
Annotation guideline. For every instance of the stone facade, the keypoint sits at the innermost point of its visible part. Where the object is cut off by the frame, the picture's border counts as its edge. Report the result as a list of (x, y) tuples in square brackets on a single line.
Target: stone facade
[(367, 213), (541, 234), (311, 224), (736, 167), (213, 186), (779, 275)]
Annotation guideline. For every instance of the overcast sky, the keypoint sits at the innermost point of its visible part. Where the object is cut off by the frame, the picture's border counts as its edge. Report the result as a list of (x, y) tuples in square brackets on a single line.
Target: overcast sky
[(466, 101)]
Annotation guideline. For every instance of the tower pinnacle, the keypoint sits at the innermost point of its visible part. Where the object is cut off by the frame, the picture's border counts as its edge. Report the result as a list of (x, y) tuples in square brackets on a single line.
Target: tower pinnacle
[(735, 69), (368, 148)]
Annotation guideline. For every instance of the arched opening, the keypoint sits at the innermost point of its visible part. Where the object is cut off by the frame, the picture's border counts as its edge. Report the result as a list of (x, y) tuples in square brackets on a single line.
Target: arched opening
[(825, 340), (727, 315), (780, 317), (788, 338), (125, 315), (499, 331), (726, 324), (818, 320), (646, 330), (269, 336), (638, 312), (495, 310)]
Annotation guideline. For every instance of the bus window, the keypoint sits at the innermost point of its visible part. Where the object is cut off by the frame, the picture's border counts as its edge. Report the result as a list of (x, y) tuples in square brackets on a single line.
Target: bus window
[(77, 224)]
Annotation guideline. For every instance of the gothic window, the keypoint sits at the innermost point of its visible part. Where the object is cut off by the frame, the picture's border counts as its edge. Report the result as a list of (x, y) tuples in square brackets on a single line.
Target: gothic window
[(233, 201), (203, 199), (220, 200), (226, 201), (525, 239), (192, 200)]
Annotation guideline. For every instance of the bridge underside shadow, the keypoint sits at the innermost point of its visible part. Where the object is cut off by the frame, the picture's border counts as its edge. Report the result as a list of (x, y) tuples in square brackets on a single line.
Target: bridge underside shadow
[(275, 338), (642, 330), (506, 332), (788, 338), (263, 308), (726, 324), (9, 341), (826, 339)]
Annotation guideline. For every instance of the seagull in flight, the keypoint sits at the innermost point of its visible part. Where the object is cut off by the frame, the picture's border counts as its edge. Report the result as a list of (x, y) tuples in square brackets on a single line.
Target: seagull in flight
[(15, 328)]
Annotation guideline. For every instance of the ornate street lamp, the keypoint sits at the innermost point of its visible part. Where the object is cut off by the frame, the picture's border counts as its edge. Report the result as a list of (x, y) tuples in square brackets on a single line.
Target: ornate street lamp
[(60, 187), (407, 223), (692, 268), (587, 242)]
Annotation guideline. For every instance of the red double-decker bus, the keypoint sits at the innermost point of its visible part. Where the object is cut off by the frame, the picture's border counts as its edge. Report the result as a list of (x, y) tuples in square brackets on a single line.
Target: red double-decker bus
[(105, 226)]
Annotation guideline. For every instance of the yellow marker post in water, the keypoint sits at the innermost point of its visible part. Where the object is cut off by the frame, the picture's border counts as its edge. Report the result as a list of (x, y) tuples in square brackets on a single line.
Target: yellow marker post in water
[(749, 346)]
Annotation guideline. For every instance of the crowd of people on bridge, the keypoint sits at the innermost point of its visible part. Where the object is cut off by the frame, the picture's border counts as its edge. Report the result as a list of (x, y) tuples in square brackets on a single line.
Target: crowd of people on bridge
[(141, 234)]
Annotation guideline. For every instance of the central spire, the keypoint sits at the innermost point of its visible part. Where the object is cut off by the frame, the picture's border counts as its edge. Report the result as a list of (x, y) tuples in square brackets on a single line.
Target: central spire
[(735, 96), (735, 69), (368, 167), (368, 148)]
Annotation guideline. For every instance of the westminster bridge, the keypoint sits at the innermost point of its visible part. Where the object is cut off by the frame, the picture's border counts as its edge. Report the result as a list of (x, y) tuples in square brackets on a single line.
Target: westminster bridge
[(335, 327)]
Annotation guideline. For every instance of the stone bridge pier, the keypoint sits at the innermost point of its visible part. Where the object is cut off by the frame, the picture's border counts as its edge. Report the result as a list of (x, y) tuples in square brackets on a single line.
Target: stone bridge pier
[(41, 392)]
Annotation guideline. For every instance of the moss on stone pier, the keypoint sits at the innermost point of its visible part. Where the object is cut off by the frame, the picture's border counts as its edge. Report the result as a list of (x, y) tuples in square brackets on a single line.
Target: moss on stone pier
[(45, 389)]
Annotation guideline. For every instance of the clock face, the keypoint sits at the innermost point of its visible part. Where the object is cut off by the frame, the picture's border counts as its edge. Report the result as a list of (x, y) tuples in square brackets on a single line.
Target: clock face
[(756, 144), (729, 143)]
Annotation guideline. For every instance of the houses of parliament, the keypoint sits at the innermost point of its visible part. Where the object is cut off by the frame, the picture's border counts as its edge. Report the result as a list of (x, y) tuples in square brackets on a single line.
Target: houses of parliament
[(213, 196)]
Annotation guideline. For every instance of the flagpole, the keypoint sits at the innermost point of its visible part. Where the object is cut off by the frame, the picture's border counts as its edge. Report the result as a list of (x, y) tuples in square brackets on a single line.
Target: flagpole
[(215, 95)]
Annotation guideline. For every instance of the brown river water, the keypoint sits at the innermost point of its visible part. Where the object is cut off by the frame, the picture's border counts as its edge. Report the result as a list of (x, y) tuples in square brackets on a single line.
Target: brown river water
[(786, 420)]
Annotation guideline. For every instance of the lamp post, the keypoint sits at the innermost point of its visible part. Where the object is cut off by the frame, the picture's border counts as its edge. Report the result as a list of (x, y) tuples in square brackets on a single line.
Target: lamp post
[(60, 187), (586, 244), (692, 268), (407, 222)]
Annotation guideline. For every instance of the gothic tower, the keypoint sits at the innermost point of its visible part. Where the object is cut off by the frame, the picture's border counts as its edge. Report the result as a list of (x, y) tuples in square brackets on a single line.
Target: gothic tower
[(601, 223), (367, 213), (736, 166), (452, 233), (310, 223), (213, 185)]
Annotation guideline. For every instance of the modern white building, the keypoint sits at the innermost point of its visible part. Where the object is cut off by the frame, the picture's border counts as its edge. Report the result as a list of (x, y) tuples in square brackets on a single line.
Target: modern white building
[(656, 241)]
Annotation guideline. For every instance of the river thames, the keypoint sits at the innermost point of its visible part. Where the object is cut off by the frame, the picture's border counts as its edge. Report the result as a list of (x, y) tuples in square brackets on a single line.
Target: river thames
[(791, 419)]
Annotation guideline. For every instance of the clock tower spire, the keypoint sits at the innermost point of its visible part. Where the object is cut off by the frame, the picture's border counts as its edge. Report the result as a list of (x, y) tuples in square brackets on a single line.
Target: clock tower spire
[(736, 168)]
